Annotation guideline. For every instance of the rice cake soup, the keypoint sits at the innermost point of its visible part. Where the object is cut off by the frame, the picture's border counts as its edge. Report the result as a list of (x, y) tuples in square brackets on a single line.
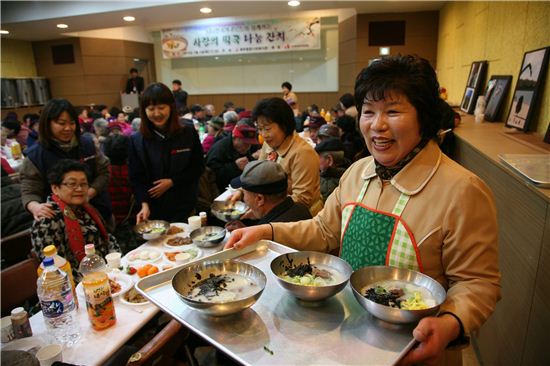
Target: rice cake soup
[(223, 288), (307, 274), (399, 294)]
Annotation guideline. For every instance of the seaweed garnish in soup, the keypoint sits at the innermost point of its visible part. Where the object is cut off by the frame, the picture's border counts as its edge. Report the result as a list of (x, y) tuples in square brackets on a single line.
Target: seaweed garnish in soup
[(222, 288), (307, 274)]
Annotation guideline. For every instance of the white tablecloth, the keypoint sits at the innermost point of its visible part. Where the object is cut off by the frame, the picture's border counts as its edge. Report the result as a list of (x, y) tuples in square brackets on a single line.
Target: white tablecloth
[(95, 347)]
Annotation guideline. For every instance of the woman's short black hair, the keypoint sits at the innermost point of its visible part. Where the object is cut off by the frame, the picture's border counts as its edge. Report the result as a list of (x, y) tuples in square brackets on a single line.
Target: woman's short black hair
[(64, 166), (51, 112), (277, 111), (411, 76), (10, 124), (346, 123), (157, 93), (287, 85), (347, 100), (115, 147)]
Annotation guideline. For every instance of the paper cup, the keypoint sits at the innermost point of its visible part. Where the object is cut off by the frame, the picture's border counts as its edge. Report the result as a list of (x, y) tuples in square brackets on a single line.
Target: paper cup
[(113, 260), (49, 354), (7, 330), (194, 222)]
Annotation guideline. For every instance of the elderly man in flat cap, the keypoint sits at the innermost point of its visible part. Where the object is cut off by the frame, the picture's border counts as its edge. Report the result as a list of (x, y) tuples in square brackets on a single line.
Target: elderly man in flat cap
[(264, 184)]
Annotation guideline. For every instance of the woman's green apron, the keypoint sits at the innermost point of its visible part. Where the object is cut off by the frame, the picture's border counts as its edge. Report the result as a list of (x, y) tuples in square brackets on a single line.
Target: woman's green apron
[(371, 237)]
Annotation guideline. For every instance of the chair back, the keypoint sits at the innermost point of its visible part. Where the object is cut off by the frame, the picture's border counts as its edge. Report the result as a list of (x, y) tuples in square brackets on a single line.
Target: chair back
[(162, 348), (19, 284), (15, 247)]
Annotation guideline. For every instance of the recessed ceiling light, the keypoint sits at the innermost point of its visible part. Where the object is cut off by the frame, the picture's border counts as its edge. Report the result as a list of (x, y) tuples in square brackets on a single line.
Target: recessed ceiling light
[(128, 18), (205, 10), (384, 51), (2, 31), (293, 3), (62, 26)]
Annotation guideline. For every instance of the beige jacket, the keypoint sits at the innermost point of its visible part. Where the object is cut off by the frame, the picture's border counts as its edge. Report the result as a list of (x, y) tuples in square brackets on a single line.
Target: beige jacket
[(301, 164), (452, 216)]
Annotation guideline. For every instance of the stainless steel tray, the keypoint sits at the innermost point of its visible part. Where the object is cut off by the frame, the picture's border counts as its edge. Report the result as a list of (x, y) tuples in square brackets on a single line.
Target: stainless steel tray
[(534, 167), (336, 331)]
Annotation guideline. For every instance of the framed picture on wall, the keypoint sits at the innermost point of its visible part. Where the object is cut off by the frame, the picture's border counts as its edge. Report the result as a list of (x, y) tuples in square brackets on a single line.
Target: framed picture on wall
[(531, 75), (496, 92), (473, 86)]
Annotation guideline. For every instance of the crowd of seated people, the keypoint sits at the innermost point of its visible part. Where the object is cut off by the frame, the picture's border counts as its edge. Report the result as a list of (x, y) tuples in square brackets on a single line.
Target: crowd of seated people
[(120, 148)]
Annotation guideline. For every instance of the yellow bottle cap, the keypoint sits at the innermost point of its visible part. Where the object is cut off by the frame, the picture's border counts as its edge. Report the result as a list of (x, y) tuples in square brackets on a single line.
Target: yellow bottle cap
[(49, 251)]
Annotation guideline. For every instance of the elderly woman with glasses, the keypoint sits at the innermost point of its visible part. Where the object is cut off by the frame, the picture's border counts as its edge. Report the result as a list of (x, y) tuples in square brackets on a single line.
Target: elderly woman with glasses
[(74, 222), (60, 138)]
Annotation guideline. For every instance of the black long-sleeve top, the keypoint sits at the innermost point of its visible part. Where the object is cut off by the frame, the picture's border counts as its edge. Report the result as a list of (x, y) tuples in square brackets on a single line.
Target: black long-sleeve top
[(138, 83), (221, 159), (178, 157)]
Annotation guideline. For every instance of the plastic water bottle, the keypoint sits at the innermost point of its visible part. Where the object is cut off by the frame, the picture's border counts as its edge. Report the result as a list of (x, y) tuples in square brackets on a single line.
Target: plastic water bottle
[(99, 302), (62, 264), (202, 133), (57, 302)]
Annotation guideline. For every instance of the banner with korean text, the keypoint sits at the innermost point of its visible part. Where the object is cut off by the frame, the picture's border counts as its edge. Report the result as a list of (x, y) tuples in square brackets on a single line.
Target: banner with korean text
[(250, 36)]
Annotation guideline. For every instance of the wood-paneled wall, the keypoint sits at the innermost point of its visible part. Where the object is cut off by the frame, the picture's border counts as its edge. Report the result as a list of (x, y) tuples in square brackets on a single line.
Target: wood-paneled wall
[(421, 31), (99, 72), (323, 100)]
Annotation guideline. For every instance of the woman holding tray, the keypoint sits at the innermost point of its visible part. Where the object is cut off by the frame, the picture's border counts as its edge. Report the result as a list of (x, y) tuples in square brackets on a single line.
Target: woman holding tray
[(409, 206)]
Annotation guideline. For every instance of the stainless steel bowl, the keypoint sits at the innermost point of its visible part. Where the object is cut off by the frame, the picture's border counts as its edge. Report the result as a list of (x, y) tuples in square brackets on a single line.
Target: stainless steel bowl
[(368, 276), (311, 293), (186, 278), (227, 212), (152, 229), (207, 236)]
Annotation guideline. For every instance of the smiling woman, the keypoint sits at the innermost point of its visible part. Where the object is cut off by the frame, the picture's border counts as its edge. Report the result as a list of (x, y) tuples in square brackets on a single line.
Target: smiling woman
[(74, 222), (60, 138), (165, 159), (408, 206)]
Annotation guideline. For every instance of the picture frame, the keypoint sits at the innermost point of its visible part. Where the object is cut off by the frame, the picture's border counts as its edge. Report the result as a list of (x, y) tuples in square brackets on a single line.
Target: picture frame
[(526, 94), (476, 78), (495, 94)]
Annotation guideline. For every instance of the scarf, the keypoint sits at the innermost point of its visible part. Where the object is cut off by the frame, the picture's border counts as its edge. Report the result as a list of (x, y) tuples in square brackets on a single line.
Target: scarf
[(73, 229), (387, 173), (67, 146)]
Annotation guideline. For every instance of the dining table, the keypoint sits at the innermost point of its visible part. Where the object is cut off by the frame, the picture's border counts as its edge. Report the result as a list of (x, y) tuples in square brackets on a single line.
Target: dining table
[(95, 347)]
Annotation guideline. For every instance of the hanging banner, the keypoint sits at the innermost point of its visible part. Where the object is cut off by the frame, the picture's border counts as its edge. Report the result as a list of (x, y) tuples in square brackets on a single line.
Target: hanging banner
[(250, 36)]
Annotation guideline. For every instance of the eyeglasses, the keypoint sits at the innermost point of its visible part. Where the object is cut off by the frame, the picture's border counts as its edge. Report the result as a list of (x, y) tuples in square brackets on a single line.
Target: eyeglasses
[(74, 185)]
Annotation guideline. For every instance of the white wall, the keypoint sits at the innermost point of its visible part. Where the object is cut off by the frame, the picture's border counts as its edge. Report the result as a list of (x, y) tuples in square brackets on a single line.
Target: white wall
[(307, 71)]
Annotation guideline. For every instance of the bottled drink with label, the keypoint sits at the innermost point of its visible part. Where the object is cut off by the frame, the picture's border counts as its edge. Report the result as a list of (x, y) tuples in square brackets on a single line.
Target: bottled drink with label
[(57, 303), (62, 264), (16, 150), (99, 303)]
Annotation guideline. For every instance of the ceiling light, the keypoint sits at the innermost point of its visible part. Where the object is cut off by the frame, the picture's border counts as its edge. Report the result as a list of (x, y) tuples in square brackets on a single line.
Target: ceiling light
[(384, 51), (128, 18), (205, 10), (62, 26), (2, 31), (293, 3)]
